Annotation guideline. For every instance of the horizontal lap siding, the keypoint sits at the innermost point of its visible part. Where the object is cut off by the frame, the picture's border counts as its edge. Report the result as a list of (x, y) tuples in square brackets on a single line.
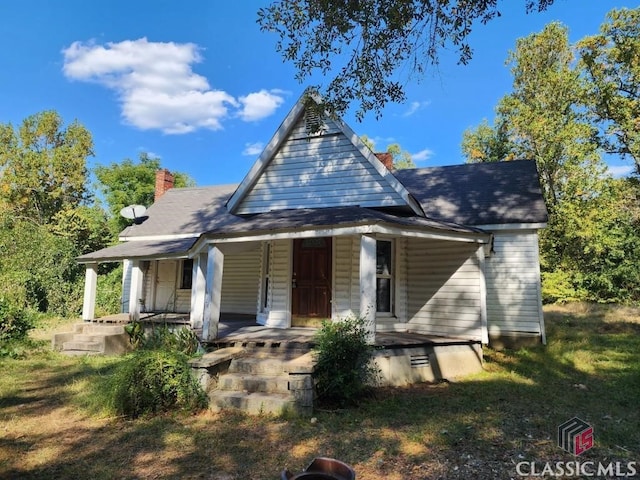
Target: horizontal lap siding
[(241, 282), (346, 300), (318, 171), (444, 288), (513, 285), (280, 279)]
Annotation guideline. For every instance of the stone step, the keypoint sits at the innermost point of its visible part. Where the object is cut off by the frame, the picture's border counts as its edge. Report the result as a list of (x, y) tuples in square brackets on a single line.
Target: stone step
[(258, 365), (251, 383), (83, 346), (252, 403)]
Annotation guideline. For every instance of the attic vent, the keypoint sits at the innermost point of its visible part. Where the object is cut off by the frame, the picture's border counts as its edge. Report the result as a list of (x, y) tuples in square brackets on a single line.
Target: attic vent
[(419, 361), (314, 122)]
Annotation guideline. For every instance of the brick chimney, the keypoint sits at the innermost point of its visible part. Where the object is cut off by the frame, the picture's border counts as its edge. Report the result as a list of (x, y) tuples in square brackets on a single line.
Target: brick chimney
[(387, 159), (164, 182)]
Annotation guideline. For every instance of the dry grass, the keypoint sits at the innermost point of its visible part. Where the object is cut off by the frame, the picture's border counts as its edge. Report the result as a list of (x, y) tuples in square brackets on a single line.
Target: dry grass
[(478, 427)]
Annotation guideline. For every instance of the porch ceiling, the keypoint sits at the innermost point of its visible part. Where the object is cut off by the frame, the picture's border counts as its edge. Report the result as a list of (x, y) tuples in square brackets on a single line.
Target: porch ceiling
[(141, 249)]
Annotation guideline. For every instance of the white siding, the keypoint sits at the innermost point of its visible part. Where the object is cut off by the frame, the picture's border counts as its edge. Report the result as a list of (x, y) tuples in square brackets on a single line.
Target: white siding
[(241, 282), (513, 285), (280, 284), (346, 300), (443, 295), (318, 171)]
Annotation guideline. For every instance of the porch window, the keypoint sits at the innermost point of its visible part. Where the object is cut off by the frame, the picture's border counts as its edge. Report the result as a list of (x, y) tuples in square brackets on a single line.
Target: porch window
[(384, 276), (186, 275)]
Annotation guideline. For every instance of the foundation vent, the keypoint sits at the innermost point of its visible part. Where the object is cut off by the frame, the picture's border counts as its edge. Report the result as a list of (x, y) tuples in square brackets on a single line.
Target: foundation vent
[(419, 361)]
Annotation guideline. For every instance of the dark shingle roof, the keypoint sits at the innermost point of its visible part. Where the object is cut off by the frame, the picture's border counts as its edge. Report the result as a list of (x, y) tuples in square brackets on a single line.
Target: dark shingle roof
[(479, 193)]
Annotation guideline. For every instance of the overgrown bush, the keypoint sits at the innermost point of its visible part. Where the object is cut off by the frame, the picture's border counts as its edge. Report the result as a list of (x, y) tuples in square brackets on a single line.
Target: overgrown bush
[(15, 322), (153, 381), (162, 337), (344, 370)]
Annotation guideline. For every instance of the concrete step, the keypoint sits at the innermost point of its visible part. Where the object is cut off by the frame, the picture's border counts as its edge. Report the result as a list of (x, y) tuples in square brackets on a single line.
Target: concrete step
[(84, 337), (98, 329), (252, 403), (251, 383), (79, 353), (83, 346), (258, 365)]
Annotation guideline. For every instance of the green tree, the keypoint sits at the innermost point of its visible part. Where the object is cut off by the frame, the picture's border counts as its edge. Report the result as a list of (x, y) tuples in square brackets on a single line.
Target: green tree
[(377, 42), (543, 118), (590, 247), (610, 62), (43, 166), (129, 183), (487, 143)]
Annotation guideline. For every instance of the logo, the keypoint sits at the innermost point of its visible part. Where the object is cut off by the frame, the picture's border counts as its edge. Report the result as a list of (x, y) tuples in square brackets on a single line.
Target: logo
[(575, 436)]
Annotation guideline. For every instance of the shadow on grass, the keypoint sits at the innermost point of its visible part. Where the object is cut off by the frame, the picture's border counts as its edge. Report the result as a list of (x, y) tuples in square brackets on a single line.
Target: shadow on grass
[(478, 427)]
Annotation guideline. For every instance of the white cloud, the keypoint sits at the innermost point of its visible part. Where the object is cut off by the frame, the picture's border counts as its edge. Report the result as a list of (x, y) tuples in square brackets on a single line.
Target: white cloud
[(415, 106), (253, 149), (620, 170), (422, 155), (157, 87), (259, 105)]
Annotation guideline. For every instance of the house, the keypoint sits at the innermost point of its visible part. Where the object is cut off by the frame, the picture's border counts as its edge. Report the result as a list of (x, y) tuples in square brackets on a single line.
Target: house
[(321, 227)]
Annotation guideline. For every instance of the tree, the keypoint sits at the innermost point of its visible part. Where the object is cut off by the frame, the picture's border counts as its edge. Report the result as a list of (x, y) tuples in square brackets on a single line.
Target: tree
[(401, 158), (377, 40), (487, 144), (610, 62), (544, 118), (43, 166), (129, 183)]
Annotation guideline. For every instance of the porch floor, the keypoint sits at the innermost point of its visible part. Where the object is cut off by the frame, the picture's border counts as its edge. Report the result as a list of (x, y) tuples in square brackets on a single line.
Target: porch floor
[(237, 328)]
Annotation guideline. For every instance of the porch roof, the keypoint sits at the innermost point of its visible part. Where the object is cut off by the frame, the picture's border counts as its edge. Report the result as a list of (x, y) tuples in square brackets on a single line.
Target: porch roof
[(141, 249)]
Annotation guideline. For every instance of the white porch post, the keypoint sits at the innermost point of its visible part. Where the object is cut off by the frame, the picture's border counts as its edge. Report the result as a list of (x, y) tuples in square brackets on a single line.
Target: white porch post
[(368, 285), (213, 293), (135, 291), (198, 286), (90, 285)]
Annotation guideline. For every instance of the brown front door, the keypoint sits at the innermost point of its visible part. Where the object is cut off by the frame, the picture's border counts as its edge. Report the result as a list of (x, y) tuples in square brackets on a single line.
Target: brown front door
[(311, 282)]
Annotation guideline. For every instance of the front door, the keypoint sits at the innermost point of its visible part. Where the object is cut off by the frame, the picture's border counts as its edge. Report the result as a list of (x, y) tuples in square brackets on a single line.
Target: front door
[(166, 286), (311, 282)]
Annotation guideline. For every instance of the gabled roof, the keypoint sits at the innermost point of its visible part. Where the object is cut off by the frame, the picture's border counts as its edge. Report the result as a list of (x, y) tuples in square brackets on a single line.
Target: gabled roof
[(300, 168), (497, 193)]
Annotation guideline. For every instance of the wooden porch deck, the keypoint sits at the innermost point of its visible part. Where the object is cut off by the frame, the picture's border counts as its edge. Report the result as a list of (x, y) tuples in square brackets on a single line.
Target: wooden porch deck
[(235, 329)]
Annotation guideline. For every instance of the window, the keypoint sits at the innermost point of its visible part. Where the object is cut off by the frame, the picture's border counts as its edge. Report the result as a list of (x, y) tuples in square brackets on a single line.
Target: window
[(384, 276), (266, 262), (186, 276)]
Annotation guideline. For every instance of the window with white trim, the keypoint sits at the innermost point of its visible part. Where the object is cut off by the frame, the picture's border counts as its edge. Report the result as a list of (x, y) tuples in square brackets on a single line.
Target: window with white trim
[(384, 276)]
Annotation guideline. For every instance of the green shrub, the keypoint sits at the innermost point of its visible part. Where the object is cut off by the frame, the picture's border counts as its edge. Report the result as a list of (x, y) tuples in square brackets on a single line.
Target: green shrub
[(15, 322), (344, 369), (162, 337), (153, 381)]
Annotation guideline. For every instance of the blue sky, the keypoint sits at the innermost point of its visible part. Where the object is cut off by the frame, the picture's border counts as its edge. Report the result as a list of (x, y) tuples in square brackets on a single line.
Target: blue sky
[(197, 83)]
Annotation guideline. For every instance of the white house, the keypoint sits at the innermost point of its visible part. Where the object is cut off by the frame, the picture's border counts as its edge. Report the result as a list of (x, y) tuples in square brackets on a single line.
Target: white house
[(320, 227)]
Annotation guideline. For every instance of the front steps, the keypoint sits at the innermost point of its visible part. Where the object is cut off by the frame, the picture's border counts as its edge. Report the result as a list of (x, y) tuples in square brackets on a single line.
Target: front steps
[(88, 338), (257, 382)]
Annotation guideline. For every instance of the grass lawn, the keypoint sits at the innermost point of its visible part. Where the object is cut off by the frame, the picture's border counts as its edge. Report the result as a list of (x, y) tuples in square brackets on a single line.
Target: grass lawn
[(479, 427)]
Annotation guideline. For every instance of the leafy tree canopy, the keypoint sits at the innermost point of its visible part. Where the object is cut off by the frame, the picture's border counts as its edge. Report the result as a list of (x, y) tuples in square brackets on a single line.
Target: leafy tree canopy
[(377, 39), (610, 61), (129, 183), (43, 166)]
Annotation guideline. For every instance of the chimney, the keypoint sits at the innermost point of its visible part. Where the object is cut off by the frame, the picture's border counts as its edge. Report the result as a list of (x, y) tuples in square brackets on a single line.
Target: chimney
[(387, 159), (164, 182)]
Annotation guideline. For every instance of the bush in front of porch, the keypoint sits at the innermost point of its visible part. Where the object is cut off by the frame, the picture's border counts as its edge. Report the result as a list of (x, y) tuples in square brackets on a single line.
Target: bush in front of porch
[(344, 369)]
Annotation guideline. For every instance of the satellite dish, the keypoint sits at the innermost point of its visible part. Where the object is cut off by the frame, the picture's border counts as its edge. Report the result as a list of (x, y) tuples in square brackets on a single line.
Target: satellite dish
[(134, 212)]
